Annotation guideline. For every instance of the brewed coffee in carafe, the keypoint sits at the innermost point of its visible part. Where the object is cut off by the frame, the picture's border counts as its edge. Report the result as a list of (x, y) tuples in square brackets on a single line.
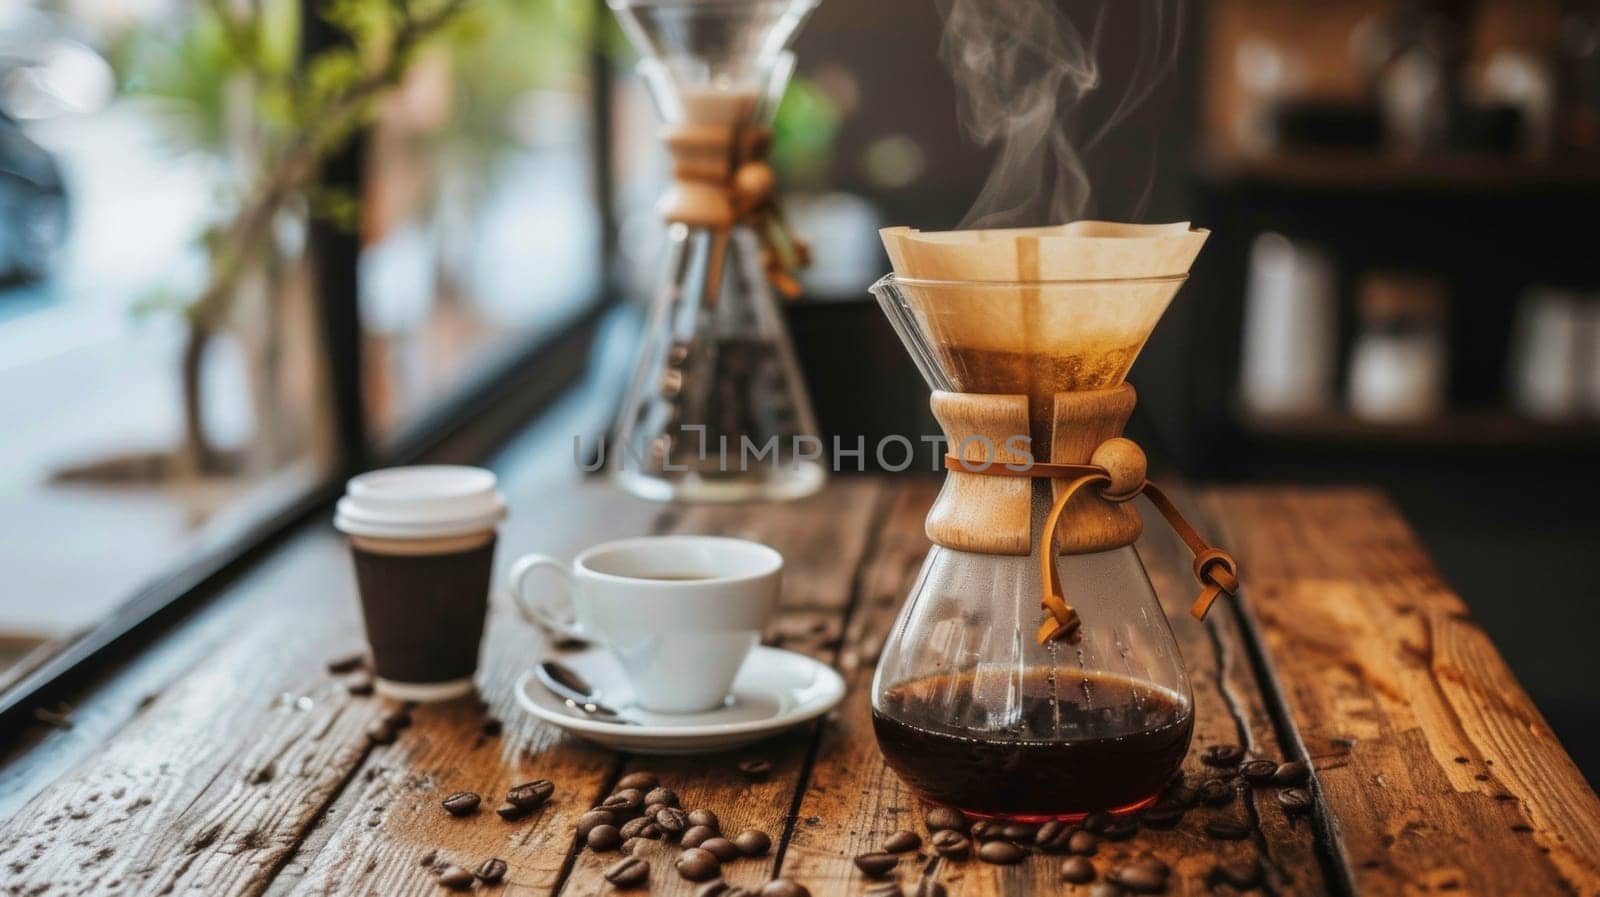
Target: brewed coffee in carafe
[(982, 700)]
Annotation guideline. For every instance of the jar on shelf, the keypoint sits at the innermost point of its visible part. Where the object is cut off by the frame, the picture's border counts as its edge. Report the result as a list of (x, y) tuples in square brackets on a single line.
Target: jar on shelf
[(1399, 363)]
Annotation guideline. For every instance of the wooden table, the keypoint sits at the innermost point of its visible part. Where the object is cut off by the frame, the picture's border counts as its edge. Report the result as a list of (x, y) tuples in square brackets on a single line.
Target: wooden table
[(226, 760)]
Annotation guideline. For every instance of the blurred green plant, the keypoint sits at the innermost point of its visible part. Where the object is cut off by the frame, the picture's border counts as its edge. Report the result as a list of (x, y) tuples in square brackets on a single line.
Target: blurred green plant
[(236, 84), (803, 131)]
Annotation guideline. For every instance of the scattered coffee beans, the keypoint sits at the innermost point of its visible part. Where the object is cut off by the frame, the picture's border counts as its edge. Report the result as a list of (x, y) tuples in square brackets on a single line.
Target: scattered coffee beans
[(1295, 772), (1019, 831), (756, 769), (1053, 837), (491, 871), (673, 821), (753, 842), (531, 795), (462, 803), (885, 889), (945, 818), (1227, 829), (724, 850), (1258, 772), (634, 828), (1162, 816), (664, 796), (1077, 871), (627, 802), (1097, 822), (902, 841), (1142, 877), (1222, 755), (1001, 853), (642, 780), (510, 812), (604, 837), (347, 663), (380, 732), (951, 844), (652, 809), (720, 888), (988, 830), (1295, 801), (633, 846), (1178, 795), (877, 865), (595, 817), (784, 887), (628, 872), (1083, 843), (1216, 792), (456, 878), (698, 864), (706, 818), (697, 835), (1243, 875), (1106, 889)]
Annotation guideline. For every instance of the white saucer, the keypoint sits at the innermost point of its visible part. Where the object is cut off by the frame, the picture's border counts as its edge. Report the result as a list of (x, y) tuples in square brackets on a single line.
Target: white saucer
[(775, 690)]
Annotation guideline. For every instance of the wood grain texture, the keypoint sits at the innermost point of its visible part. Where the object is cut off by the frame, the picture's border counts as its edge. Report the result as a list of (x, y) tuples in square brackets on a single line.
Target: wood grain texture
[(176, 801), (216, 785), (856, 801), (250, 772), (1436, 772)]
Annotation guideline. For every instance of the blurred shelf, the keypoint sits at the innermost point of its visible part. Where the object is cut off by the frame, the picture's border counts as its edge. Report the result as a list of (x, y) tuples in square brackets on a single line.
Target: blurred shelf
[(1465, 429), (1365, 171)]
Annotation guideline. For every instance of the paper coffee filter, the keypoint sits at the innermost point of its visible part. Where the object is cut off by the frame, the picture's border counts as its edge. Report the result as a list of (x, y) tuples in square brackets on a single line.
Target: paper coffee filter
[(1078, 292), (1081, 250)]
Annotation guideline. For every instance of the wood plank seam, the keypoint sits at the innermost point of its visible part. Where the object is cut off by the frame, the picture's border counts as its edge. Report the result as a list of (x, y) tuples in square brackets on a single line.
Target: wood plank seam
[(883, 500), (1445, 774), (1335, 860)]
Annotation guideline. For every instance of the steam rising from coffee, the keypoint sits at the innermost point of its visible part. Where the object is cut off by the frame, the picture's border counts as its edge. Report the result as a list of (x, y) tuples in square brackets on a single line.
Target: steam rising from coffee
[(1023, 70)]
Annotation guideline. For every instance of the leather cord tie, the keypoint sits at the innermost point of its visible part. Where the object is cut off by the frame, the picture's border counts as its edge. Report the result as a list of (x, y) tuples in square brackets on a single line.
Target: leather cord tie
[(721, 180), (1117, 468)]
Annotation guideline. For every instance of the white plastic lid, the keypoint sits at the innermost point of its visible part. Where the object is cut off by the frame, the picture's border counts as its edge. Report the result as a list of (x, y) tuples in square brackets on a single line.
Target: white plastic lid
[(420, 502)]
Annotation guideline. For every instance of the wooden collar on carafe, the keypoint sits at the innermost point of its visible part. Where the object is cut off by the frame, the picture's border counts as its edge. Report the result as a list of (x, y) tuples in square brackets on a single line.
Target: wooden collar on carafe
[(986, 504), (721, 179)]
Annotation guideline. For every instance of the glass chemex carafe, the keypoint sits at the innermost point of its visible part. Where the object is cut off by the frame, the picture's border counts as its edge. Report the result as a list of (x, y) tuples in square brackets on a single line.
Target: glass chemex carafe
[(1017, 682), (717, 409)]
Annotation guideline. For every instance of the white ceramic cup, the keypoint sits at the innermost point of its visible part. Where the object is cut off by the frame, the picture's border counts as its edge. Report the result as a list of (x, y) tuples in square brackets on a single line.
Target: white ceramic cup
[(680, 613)]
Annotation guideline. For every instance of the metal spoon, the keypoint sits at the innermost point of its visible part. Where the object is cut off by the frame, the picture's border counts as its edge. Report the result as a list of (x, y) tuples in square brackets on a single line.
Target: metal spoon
[(576, 693)]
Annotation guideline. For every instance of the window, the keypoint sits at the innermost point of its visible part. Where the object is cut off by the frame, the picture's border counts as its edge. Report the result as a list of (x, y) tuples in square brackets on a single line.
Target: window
[(164, 369)]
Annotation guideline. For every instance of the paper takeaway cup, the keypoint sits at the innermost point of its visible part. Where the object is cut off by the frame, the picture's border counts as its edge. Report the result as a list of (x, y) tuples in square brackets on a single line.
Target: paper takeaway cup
[(423, 540)]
